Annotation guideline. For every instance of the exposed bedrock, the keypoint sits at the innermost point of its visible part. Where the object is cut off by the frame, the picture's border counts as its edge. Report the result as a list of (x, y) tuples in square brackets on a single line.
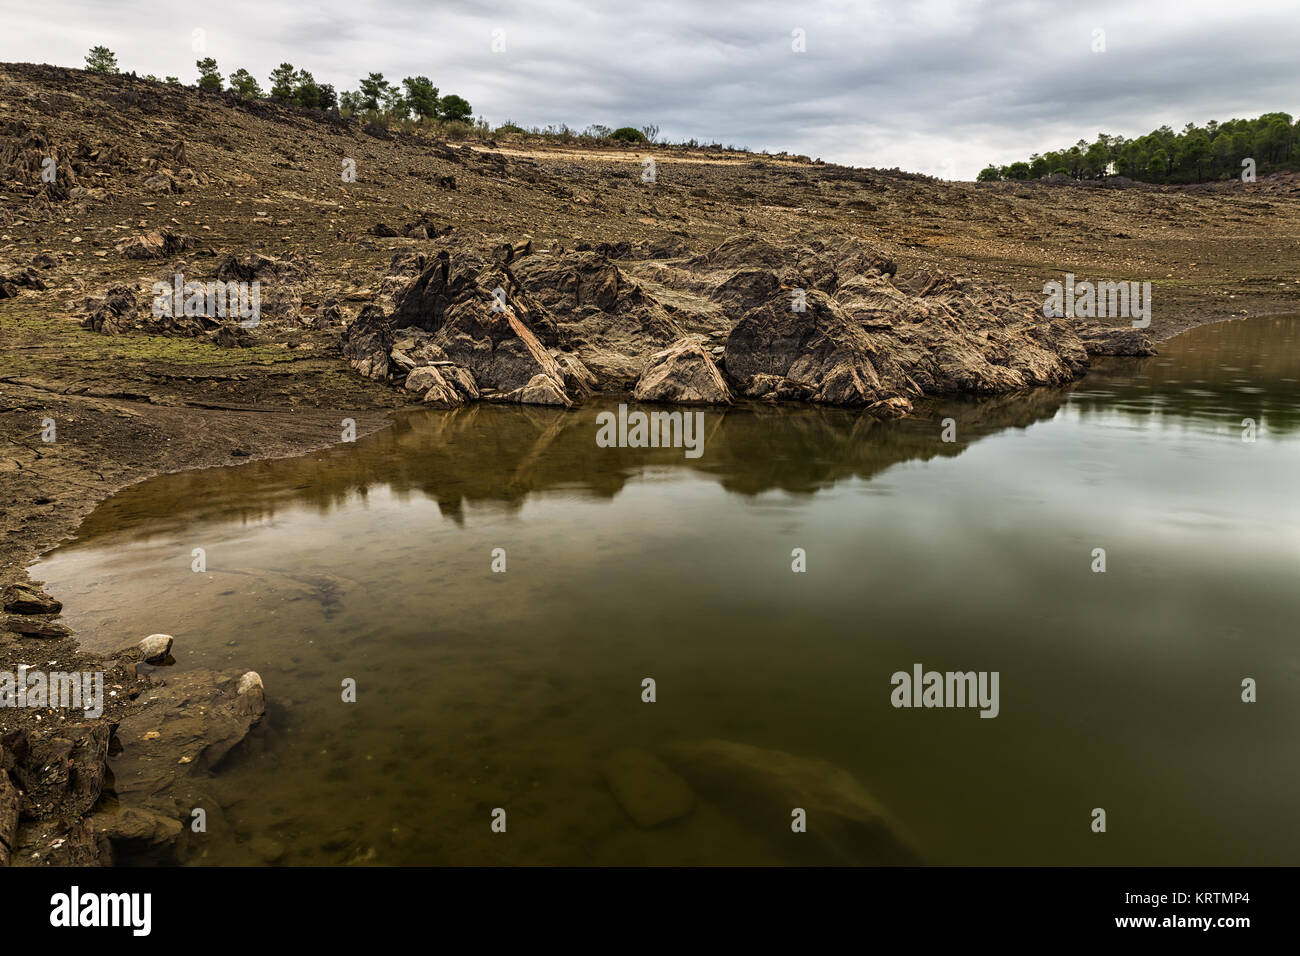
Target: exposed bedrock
[(827, 323)]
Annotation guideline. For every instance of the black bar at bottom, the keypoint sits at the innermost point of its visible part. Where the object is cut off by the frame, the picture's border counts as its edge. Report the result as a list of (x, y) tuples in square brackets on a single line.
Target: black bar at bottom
[(372, 905)]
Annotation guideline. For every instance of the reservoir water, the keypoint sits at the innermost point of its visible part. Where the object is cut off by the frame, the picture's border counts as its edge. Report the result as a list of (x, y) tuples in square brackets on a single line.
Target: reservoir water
[(478, 689)]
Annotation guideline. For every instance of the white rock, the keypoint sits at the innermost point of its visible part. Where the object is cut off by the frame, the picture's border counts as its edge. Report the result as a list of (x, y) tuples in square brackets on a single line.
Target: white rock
[(250, 681), (155, 648)]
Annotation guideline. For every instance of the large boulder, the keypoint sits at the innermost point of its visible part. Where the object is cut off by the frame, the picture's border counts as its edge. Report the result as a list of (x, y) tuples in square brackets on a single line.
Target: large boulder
[(114, 313), (683, 373), (497, 347), (482, 320), (368, 343), (442, 386)]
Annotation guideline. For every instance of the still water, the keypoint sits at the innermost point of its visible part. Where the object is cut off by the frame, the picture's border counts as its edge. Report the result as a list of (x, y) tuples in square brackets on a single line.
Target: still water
[(477, 690)]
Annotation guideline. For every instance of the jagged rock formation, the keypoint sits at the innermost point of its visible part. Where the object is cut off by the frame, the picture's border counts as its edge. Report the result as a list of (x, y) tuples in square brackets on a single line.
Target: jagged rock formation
[(826, 323), (683, 374)]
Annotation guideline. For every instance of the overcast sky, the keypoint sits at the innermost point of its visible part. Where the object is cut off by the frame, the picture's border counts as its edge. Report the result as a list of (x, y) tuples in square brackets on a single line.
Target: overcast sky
[(938, 86)]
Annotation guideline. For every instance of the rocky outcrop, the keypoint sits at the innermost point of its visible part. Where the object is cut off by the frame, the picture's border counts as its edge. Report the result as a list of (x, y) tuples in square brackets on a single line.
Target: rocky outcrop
[(157, 244), (1114, 340), (829, 323), (745, 290), (818, 354), (367, 343), (23, 279), (60, 776), (683, 373), (478, 318), (279, 282), (497, 347), (114, 313), (596, 310)]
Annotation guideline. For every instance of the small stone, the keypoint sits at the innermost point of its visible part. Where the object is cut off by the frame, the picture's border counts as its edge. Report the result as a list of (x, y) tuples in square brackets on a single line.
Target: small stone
[(155, 648)]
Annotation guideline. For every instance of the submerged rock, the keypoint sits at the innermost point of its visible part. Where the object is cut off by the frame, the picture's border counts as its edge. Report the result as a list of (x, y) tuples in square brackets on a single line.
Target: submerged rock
[(137, 825), (647, 790), (845, 822)]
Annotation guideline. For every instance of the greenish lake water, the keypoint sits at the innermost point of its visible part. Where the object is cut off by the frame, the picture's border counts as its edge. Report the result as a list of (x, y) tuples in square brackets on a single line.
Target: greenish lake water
[(476, 690)]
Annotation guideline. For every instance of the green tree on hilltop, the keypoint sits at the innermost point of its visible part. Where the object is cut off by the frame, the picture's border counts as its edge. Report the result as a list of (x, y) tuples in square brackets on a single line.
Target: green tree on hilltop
[(372, 91), (305, 91), (101, 59), (209, 75), (245, 84), (454, 109), (284, 79), (422, 96)]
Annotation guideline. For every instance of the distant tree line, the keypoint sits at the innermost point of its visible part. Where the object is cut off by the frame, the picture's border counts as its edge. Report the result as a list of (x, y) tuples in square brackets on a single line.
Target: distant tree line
[(414, 96), (1213, 151), (414, 100)]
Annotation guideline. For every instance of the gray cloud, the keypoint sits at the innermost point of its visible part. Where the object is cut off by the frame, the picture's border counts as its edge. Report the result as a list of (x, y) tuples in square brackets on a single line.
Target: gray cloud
[(939, 86)]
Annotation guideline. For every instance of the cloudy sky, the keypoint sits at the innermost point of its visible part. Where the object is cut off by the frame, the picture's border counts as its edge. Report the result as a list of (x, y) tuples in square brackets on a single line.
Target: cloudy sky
[(939, 86)]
